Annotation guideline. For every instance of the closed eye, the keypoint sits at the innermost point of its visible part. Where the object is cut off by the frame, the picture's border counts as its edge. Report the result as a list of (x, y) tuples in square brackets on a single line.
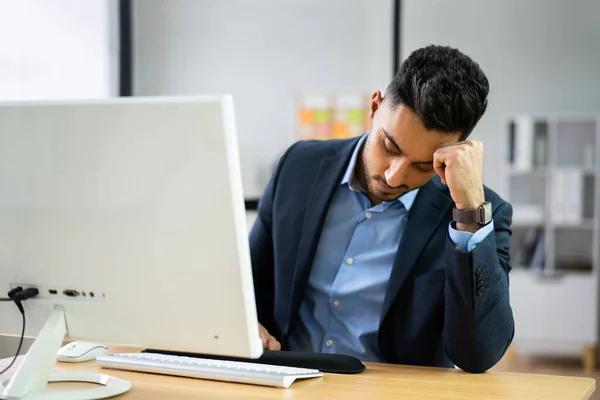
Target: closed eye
[(387, 148), (421, 169)]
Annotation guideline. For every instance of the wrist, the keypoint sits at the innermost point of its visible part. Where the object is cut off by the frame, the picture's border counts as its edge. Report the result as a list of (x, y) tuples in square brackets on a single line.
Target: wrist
[(472, 227), (470, 204), (471, 201), (472, 216)]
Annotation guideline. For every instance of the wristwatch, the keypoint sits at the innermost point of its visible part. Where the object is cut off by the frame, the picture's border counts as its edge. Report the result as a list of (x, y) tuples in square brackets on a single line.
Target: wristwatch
[(481, 215)]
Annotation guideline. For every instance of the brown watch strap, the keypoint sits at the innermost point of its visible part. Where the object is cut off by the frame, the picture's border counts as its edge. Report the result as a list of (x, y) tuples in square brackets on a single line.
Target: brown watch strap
[(481, 215), (470, 216)]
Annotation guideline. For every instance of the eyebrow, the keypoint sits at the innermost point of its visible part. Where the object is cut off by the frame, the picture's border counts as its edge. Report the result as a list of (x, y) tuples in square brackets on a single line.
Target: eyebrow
[(387, 135)]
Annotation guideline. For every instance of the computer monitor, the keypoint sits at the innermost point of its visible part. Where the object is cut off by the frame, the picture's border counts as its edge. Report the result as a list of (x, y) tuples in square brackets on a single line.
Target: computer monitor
[(128, 216)]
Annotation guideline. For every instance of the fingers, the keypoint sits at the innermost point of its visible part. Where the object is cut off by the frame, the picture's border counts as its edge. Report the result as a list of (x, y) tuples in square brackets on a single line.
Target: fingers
[(263, 339), (468, 152), (268, 341), (264, 335), (273, 344), (464, 144), (439, 165)]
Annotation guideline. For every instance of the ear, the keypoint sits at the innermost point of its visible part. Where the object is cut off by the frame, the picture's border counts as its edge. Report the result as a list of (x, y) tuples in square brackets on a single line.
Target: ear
[(376, 101)]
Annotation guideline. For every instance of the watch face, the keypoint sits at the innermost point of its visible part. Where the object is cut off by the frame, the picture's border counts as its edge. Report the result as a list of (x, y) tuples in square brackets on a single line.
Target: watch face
[(487, 212)]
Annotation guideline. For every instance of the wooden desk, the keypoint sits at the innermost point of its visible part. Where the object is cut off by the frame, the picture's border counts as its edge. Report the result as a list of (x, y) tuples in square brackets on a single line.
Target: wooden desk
[(379, 381)]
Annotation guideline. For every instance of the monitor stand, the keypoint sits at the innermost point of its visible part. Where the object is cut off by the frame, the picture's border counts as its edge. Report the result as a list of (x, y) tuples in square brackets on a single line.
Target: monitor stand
[(33, 374)]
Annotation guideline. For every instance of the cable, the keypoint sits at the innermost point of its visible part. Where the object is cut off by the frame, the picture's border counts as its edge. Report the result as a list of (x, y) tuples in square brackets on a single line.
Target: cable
[(12, 293), (18, 295), (18, 349)]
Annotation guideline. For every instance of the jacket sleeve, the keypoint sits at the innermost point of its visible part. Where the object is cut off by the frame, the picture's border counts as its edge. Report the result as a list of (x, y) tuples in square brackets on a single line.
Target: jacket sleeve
[(262, 251), (478, 319)]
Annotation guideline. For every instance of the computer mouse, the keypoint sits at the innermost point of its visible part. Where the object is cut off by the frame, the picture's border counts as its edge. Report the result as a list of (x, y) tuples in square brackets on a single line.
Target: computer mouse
[(80, 352)]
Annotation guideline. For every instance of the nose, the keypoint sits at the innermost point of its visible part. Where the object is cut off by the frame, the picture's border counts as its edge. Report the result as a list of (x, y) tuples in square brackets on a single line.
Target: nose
[(396, 172)]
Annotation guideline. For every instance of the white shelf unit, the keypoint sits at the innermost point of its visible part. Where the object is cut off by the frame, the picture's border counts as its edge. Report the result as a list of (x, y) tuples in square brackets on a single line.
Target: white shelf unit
[(554, 188)]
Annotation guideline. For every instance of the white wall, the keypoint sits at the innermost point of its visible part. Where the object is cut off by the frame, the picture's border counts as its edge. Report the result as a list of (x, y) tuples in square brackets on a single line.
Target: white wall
[(62, 49), (539, 55), (263, 52)]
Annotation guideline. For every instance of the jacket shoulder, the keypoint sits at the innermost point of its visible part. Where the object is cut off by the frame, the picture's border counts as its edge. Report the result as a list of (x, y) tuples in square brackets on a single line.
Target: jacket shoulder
[(308, 153), (320, 148)]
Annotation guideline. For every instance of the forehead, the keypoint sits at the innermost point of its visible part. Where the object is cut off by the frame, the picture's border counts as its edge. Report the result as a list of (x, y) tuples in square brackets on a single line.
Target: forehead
[(415, 141)]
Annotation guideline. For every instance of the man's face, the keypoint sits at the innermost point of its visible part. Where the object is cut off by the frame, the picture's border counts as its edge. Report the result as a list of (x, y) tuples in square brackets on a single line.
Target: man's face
[(398, 154)]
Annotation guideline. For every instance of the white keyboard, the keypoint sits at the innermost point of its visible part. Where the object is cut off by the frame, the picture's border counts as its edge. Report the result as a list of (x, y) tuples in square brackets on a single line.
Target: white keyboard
[(202, 368)]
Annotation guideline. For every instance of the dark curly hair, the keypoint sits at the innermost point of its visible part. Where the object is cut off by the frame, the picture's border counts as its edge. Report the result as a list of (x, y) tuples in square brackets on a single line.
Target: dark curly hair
[(446, 89)]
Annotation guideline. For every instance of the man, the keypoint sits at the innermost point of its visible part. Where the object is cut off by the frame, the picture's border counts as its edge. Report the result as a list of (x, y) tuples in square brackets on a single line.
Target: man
[(388, 247)]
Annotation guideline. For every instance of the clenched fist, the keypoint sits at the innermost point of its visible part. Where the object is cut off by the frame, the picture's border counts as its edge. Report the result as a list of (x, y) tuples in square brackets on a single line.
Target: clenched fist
[(460, 166), (268, 341)]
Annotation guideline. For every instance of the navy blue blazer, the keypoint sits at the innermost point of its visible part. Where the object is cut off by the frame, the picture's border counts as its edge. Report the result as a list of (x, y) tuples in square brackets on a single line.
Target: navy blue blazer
[(442, 307)]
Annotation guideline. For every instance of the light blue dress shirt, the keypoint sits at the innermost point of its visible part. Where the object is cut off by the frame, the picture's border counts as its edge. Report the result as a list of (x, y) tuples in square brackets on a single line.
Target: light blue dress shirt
[(342, 306)]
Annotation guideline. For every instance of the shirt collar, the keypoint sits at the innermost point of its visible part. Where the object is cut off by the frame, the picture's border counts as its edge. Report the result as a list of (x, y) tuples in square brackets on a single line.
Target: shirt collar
[(349, 177)]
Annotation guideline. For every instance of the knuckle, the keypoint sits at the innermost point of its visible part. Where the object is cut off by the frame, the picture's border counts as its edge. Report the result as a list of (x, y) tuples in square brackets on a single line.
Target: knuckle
[(472, 145)]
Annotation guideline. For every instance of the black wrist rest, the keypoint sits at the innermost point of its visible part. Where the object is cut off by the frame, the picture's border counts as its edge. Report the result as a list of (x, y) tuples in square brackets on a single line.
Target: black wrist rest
[(331, 363)]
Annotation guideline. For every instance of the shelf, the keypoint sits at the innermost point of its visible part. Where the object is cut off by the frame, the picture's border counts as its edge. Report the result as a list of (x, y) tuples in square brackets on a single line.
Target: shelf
[(556, 307), (589, 171), (549, 274), (542, 172), (556, 231), (587, 224), (525, 224), (525, 269), (528, 214), (585, 169), (534, 173)]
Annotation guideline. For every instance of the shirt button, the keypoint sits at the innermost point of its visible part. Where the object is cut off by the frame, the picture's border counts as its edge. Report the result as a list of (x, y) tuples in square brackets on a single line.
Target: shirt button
[(329, 343), (336, 303), (350, 260), (368, 215)]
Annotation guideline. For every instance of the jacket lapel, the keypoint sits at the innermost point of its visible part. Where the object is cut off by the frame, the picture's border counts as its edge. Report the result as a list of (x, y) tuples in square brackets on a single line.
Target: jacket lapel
[(425, 215), (326, 182)]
